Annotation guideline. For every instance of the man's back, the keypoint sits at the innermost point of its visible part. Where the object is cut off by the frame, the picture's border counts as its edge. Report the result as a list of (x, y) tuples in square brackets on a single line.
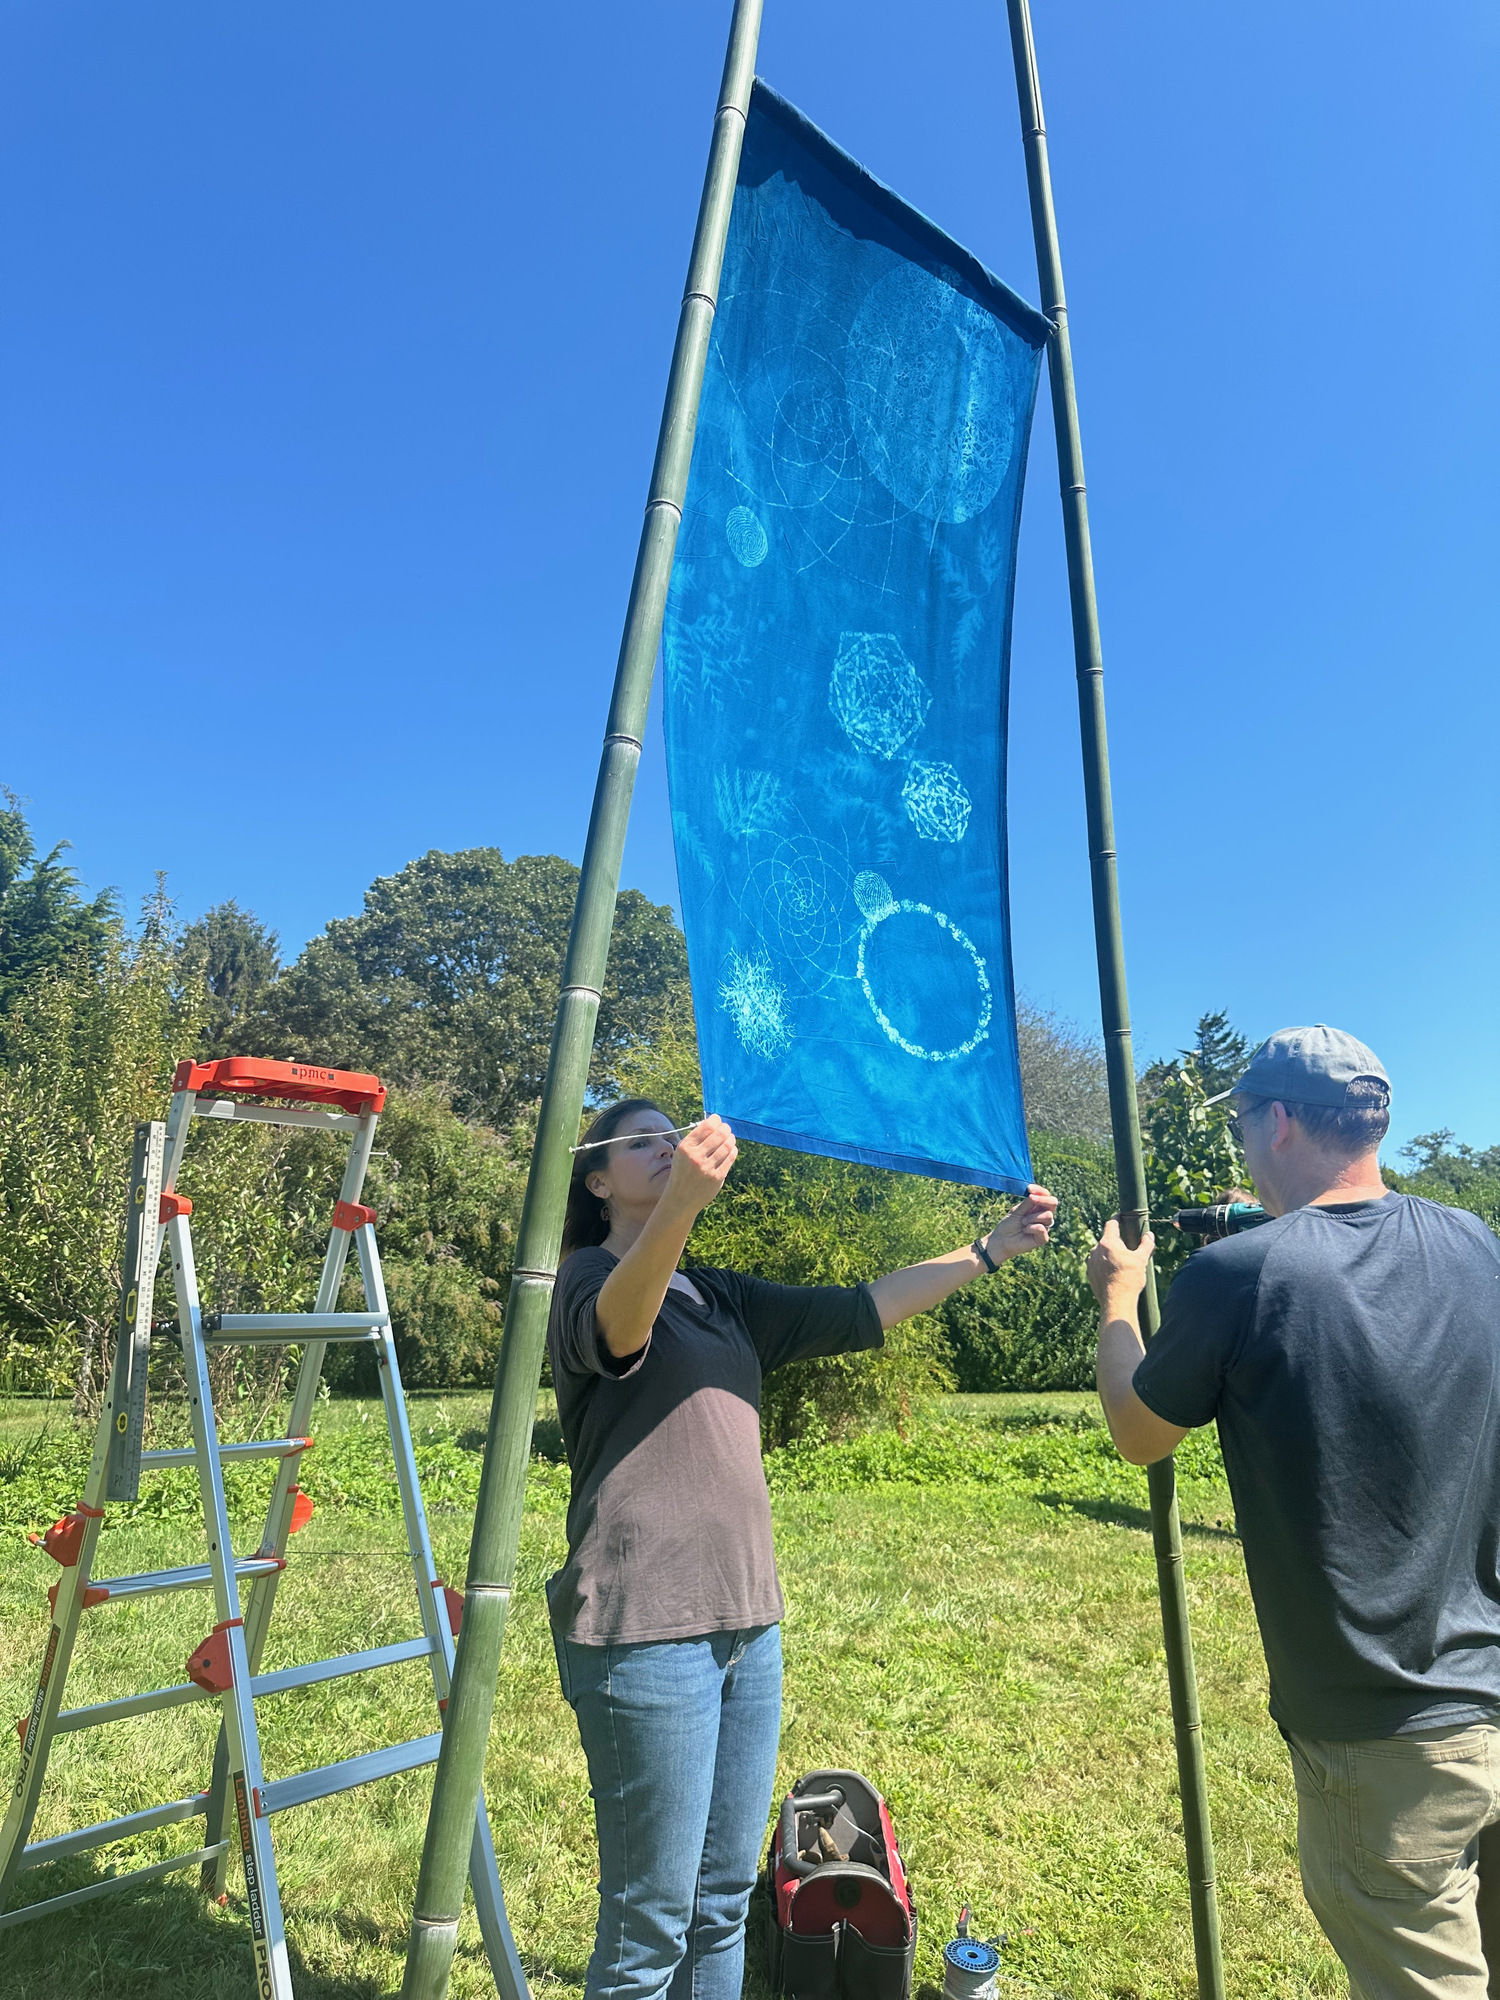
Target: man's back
[(1350, 1357)]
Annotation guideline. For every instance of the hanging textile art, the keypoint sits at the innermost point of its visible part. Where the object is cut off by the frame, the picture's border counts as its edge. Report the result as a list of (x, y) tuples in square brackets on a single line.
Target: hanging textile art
[(837, 650)]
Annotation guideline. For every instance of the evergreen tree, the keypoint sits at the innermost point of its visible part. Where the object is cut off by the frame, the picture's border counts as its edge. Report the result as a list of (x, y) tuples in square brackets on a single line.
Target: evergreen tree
[(45, 923), (236, 959), (1220, 1052)]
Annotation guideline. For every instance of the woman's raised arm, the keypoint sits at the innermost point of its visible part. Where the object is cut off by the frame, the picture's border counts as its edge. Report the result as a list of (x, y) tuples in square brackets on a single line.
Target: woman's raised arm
[(913, 1289), (631, 1296)]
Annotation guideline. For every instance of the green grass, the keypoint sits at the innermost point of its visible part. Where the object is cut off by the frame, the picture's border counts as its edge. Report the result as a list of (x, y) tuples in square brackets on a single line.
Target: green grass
[(972, 1620)]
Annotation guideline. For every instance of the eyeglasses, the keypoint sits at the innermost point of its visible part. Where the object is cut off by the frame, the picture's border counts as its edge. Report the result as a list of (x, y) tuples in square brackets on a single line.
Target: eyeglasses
[(1235, 1125)]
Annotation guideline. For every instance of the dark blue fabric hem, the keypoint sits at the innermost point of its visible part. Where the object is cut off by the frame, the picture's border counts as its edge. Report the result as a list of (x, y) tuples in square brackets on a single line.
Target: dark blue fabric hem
[(1017, 312), (866, 1156)]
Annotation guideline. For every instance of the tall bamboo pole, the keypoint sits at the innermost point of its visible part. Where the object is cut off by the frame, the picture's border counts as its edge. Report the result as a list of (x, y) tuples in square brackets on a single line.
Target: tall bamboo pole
[(1130, 1167), (497, 1520)]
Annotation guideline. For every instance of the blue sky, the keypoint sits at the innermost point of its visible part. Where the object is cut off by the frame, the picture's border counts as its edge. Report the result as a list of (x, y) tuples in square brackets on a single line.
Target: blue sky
[(330, 372)]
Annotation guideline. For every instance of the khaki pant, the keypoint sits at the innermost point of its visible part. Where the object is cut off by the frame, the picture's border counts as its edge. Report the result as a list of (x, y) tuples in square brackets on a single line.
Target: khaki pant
[(1391, 1836)]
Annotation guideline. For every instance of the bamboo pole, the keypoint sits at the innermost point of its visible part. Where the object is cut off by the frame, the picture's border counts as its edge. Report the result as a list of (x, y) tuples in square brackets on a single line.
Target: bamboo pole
[(1130, 1168), (497, 1520)]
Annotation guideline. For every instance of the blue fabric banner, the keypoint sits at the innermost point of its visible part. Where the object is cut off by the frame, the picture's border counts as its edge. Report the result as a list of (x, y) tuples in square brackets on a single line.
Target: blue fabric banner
[(837, 648)]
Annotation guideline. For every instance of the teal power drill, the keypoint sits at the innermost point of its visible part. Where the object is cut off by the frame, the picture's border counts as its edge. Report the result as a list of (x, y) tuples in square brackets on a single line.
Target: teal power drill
[(1225, 1218)]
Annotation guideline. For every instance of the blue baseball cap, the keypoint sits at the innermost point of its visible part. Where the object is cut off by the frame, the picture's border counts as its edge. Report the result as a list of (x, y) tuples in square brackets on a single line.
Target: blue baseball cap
[(1308, 1066)]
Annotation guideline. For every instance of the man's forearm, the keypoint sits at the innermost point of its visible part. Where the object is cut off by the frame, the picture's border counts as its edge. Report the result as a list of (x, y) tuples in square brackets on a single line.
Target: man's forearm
[(1140, 1435), (1120, 1352)]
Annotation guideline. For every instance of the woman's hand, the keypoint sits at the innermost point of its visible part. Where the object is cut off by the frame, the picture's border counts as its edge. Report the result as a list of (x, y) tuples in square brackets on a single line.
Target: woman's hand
[(1024, 1227), (700, 1166)]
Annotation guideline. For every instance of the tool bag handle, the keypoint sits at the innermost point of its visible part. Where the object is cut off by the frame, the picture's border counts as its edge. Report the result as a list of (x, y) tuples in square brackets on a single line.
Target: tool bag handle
[(829, 1801)]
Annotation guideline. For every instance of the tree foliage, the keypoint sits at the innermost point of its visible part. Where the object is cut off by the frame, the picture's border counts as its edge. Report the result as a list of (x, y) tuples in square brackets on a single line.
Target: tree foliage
[(449, 979), (45, 922), (91, 1050), (1191, 1159), (235, 959), (1444, 1170), (1063, 1078), (449, 1200)]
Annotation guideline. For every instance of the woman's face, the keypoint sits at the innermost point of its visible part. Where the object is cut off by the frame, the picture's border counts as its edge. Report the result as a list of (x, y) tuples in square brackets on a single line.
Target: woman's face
[(638, 1166)]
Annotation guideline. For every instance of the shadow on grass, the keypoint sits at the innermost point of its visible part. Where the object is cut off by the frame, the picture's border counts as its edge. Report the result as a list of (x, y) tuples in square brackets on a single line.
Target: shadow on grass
[(1116, 1514), (165, 1941)]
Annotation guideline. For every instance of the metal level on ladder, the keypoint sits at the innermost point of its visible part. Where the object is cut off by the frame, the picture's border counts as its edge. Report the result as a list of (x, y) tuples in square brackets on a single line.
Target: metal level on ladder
[(238, 1803)]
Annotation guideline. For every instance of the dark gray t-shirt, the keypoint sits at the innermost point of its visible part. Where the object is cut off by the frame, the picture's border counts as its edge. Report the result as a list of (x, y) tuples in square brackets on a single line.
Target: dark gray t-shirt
[(1350, 1356), (669, 1525)]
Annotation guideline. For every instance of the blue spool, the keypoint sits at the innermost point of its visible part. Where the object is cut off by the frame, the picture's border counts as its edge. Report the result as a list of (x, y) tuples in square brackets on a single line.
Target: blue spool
[(971, 1957)]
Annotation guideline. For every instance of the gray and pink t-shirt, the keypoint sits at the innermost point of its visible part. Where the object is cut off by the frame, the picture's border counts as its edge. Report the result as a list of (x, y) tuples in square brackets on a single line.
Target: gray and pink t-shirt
[(669, 1525)]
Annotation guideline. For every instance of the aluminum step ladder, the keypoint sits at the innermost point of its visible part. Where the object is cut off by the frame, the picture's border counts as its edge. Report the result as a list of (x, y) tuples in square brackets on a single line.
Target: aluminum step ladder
[(238, 1804)]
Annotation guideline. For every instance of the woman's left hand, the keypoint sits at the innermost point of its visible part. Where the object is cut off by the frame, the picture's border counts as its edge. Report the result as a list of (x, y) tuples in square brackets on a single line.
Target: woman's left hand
[(1025, 1227)]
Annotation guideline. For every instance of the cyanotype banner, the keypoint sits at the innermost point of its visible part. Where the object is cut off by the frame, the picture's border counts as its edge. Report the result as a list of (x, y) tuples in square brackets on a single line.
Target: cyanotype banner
[(837, 646)]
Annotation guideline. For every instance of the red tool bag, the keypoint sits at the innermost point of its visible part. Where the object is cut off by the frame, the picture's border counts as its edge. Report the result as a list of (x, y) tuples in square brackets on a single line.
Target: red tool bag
[(840, 1922)]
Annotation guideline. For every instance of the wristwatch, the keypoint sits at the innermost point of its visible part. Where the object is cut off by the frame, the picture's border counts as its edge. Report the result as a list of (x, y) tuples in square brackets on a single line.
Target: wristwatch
[(978, 1247)]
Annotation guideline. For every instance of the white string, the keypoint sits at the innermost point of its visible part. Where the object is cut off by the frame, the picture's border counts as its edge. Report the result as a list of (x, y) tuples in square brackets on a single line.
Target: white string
[(672, 1132)]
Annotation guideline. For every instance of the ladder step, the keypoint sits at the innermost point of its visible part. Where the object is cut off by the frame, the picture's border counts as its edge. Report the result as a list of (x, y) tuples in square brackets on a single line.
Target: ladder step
[(107, 1887), (63, 1844), (288, 1677), (262, 1448), (291, 1326), (347, 1663), (331, 1778), (179, 1579)]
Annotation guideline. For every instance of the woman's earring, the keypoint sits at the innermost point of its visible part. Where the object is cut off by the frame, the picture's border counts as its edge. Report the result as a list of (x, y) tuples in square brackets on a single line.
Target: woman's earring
[(604, 1210)]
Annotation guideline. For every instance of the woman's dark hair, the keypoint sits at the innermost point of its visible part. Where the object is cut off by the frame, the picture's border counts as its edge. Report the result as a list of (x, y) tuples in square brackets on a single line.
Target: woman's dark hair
[(586, 1223)]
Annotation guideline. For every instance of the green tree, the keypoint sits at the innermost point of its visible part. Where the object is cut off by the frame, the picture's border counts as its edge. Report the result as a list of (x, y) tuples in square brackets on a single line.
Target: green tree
[(450, 975), (1063, 1077), (1455, 1174), (91, 1052), (1219, 1053), (45, 922), (235, 959), (448, 1197), (1190, 1159)]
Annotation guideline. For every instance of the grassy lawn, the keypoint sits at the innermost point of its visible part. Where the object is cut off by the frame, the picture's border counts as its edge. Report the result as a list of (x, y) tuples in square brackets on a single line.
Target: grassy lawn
[(972, 1622)]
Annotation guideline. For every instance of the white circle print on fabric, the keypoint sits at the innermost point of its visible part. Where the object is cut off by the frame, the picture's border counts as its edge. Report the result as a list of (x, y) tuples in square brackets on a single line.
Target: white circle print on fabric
[(928, 382), (746, 537), (879, 906)]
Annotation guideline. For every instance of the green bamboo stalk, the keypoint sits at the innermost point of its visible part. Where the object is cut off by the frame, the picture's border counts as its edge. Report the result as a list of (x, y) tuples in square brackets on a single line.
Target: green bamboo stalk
[(497, 1520), (1130, 1166)]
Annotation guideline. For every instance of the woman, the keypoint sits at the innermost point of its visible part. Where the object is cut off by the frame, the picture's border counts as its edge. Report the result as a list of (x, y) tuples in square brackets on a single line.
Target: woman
[(666, 1615)]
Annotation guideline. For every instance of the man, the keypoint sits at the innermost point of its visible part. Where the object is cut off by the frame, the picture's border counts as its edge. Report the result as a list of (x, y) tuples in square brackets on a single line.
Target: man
[(1348, 1350)]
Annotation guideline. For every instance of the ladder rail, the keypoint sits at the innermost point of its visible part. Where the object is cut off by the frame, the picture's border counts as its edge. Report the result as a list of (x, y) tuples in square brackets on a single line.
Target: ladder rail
[(261, 1597), (238, 1730), (70, 1601)]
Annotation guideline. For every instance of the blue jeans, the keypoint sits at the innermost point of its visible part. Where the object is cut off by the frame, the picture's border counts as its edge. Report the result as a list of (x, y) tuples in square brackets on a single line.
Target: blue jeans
[(681, 1741)]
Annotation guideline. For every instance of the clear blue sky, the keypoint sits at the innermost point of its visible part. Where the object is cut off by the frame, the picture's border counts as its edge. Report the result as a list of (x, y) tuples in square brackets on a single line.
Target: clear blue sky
[(333, 352)]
